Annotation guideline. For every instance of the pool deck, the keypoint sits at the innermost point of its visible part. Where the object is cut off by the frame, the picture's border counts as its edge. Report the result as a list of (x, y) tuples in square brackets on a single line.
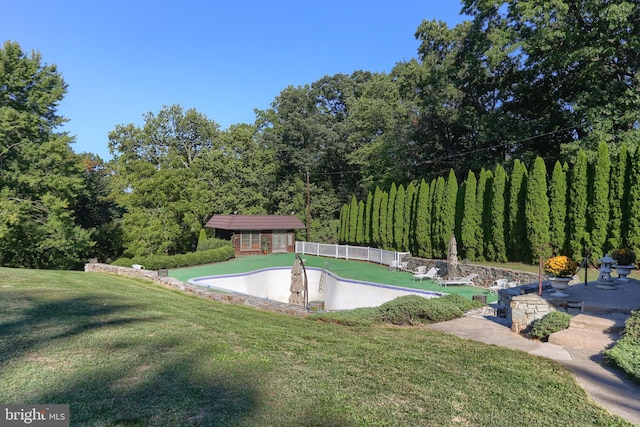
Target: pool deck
[(606, 385)]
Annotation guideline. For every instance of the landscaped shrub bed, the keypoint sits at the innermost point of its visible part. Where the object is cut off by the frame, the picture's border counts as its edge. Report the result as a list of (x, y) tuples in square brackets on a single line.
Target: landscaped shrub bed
[(550, 323), (626, 353), (405, 310), (157, 262)]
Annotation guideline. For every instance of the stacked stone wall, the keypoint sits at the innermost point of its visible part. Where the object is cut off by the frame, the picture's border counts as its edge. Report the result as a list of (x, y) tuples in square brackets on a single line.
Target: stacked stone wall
[(229, 298), (486, 274)]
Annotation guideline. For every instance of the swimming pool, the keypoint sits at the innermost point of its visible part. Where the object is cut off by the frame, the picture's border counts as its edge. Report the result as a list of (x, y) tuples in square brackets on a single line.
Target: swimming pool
[(336, 292)]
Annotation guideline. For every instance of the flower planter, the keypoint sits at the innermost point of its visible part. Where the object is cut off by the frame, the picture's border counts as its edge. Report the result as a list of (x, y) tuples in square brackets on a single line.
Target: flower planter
[(623, 271), (559, 284)]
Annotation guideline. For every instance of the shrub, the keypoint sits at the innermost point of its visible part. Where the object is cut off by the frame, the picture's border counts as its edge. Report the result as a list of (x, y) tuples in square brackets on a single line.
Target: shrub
[(625, 354), (122, 262), (624, 256), (550, 323), (157, 262), (211, 243), (464, 304), (413, 309), (406, 310)]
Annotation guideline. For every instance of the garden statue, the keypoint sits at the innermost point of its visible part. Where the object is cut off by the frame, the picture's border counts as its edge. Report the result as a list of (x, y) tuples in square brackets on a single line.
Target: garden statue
[(604, 278)]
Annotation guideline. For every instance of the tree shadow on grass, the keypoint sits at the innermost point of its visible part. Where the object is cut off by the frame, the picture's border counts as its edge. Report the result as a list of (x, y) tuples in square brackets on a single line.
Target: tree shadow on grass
[(174, 393), (119, 378), (134, 376), (37, 322)]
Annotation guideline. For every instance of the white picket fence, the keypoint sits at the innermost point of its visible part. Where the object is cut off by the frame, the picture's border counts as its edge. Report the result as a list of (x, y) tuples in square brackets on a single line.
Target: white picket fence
[(362, 253)]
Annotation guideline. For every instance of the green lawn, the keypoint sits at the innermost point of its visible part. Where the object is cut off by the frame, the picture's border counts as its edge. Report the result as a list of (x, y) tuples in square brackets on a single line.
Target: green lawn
[(348, 269), (128, 352)]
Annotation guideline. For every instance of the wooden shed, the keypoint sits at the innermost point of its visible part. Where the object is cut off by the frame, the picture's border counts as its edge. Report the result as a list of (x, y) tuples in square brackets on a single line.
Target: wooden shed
[(251, 234)]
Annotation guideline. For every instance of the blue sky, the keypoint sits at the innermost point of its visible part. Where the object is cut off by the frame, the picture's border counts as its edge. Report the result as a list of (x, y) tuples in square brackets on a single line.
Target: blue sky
[(122, 59)]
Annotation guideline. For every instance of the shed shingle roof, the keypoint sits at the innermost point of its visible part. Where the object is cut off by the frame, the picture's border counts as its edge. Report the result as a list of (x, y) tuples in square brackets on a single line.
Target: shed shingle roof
[(255, 222)]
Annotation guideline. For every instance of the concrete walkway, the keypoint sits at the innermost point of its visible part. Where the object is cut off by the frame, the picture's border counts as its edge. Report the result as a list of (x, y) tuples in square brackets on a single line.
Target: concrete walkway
[(605, 385)]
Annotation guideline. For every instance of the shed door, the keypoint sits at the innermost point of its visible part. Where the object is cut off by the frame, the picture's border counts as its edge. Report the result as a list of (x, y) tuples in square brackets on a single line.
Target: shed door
[(279, 241)]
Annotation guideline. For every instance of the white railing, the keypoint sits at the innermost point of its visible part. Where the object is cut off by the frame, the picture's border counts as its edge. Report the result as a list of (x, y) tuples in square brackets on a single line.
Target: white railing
[(362, 253)]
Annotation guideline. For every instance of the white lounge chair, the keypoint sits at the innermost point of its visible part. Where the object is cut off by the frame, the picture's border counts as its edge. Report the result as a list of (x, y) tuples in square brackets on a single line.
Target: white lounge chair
[(393, 265), (498, 285), (466, 280), (431, 274)]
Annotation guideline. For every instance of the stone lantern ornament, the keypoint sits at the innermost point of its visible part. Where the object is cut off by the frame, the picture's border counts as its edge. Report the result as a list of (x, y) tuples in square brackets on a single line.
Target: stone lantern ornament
[(605, 281)]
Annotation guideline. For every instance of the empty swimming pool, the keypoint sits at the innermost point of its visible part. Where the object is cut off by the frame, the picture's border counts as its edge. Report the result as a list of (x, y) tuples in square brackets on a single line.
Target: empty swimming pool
[(336, 292)]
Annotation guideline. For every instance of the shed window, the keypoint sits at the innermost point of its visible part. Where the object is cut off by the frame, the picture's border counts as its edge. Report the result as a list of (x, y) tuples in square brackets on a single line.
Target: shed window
[(250, 241)]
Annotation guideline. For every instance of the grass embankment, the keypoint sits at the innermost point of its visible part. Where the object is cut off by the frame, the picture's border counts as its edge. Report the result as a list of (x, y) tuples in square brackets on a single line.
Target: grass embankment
[(126, 351)]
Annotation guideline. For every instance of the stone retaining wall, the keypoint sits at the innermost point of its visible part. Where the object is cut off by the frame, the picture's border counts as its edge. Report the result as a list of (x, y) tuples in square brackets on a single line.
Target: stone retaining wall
[(522, 305), (486, 275), (229, 298)]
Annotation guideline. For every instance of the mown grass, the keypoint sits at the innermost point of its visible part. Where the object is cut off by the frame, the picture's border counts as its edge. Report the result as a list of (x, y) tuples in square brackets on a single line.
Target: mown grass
[(126, 351)]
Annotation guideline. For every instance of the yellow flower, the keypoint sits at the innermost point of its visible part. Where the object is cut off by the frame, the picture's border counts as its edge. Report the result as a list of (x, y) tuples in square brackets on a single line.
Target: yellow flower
[(560, 266)]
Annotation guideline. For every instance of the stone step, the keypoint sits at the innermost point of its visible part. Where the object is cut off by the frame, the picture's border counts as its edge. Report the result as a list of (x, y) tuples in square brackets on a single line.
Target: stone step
[(583, 339), (610, 323)]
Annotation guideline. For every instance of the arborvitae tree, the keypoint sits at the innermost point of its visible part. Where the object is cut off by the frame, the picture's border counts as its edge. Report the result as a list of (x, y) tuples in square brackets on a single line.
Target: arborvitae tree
[(480, 205), (353, 220), (633, 234), (384, 203), (398, 219), (367, 219), (360, 223), (496, 246), (485, 221), (343, 234), (517, 229), (459, 212), (618, 201), (376, 239), (202, 239), (449, 210), (391, 209), (436, 218), (599, 202), (558, 209), (470, 219), (423, 222), (577, 213), (537, 212), (409, 216)]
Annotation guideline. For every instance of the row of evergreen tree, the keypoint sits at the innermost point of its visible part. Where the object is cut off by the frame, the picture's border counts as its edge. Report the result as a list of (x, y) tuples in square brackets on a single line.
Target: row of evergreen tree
[(590, 205)]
